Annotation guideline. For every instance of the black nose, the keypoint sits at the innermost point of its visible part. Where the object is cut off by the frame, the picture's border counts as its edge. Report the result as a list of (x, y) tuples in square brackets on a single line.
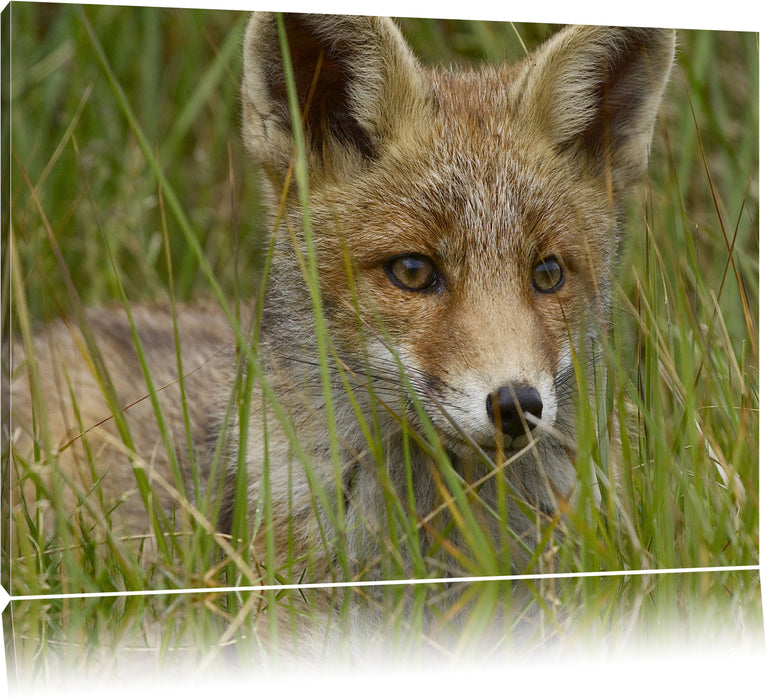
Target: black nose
[(509, 405)]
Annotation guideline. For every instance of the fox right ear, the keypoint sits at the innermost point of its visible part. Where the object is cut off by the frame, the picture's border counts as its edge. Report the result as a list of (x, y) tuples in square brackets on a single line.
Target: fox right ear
[(593, 92), (356, 80)]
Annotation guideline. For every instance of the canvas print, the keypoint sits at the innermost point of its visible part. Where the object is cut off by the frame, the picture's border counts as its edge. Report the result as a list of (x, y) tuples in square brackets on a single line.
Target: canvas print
[(355, 338)]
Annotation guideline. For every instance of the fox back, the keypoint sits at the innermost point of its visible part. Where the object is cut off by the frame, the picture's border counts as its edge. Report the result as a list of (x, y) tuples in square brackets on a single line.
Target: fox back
[(441, 256)]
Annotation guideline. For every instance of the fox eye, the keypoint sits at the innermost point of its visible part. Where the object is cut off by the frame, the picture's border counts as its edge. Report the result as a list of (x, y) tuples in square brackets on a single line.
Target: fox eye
[(547, 275), (415, 273)]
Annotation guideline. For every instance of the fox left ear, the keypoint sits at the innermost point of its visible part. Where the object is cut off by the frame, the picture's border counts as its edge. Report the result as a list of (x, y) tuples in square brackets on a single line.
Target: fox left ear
[(357, 84), (594, 93)]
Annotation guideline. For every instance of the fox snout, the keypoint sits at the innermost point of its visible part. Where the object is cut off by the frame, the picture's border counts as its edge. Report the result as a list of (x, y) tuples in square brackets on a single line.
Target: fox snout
[(514, 409)]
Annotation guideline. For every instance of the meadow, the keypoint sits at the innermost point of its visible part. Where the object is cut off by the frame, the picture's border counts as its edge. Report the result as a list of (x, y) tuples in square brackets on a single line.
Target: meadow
[(128, 182)]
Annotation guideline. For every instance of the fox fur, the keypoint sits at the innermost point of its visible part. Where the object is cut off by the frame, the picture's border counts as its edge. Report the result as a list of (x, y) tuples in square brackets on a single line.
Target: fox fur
[(444, 244)]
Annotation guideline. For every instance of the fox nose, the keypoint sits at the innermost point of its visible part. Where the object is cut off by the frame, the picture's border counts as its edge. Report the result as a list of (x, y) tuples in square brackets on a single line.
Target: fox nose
[(509, 405)]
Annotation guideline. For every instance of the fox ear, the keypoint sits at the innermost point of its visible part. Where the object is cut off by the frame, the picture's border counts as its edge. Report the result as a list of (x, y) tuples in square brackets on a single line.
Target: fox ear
[(594, 93), (356, 80)]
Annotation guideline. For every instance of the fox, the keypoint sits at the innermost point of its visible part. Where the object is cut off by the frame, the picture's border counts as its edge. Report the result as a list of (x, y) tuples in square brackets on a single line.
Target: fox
[(440, 259)]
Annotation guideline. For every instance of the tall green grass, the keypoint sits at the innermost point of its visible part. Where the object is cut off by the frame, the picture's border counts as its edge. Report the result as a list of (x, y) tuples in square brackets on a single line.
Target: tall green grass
[(126, 162)]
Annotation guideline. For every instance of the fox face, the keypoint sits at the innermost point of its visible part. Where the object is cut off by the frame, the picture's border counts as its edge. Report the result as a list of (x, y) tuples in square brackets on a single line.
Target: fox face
[(482, 290), (476, 212)]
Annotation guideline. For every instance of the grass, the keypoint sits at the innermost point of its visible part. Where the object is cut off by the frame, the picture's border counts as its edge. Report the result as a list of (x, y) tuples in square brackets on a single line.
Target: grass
[(129, 182)]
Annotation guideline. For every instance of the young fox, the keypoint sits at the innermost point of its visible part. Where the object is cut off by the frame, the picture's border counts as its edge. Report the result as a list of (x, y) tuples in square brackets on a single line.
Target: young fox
[(443, 250)]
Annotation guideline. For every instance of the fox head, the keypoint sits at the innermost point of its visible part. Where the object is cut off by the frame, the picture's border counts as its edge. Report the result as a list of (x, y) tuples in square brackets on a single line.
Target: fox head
[(470, 217)]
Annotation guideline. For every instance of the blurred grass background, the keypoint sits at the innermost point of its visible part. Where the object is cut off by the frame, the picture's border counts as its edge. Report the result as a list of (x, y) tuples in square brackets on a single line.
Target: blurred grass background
[(687, 331)]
